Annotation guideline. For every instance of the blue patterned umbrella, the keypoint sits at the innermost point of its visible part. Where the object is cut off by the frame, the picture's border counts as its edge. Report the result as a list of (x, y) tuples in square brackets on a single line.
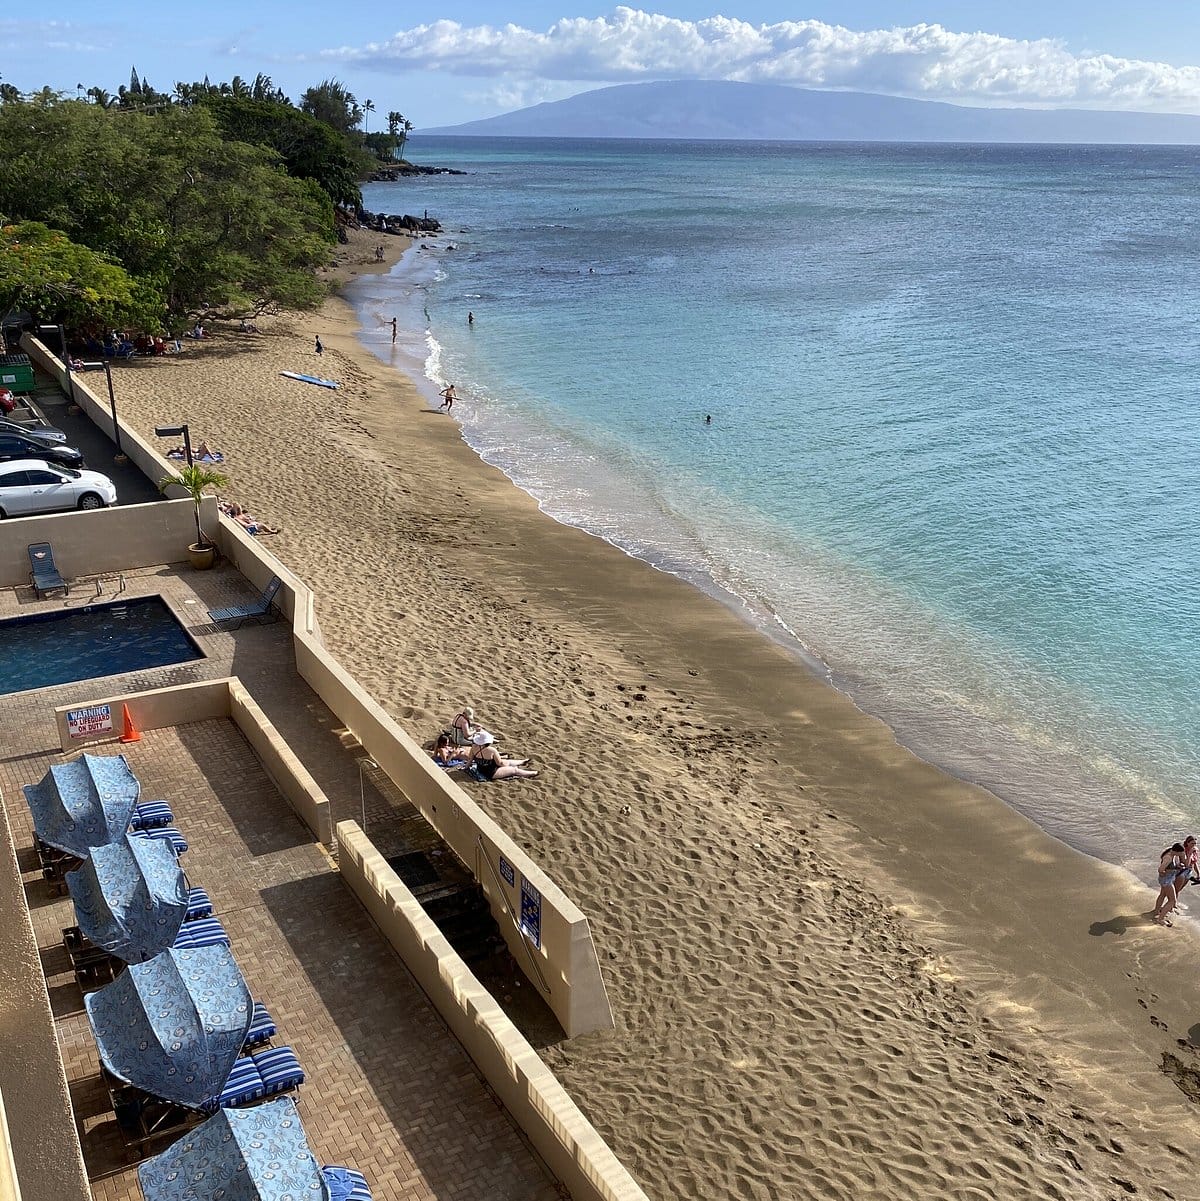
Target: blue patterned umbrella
[(257, 1154), (130, 897), (174, 1026), (84, 803)]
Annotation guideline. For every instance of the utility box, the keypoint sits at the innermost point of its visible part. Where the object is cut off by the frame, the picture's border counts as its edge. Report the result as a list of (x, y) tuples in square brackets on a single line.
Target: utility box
[(16, 372)]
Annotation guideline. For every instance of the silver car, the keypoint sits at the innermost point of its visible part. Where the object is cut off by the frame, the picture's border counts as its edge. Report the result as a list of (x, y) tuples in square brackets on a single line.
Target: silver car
[(31, 486), (49, 434)]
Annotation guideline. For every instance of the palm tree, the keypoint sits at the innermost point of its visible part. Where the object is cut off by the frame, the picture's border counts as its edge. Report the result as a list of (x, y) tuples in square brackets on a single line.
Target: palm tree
[(406, 127), (368, 107), (194, 478)]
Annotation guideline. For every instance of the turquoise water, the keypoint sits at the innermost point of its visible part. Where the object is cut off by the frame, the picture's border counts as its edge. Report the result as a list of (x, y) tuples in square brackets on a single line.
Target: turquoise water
[(954, 429)]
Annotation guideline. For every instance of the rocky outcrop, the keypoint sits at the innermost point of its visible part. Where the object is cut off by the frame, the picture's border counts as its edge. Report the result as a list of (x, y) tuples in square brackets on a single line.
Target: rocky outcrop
[(402, 170)]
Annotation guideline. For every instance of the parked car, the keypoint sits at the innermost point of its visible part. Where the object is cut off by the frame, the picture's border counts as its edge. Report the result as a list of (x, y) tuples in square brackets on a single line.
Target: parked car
[(49, 434), (29, 486), (21, 446)]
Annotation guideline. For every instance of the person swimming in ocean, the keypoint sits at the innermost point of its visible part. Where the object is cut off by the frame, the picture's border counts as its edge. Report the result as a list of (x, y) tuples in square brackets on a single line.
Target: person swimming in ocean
[(708, 419)]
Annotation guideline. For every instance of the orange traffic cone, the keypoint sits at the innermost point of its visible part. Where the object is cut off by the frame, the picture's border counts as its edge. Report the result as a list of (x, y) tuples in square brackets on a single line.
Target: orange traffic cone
[(131, 732)]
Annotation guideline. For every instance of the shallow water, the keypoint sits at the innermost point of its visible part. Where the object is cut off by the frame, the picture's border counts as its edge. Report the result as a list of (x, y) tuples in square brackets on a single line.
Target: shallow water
[(953, 438)]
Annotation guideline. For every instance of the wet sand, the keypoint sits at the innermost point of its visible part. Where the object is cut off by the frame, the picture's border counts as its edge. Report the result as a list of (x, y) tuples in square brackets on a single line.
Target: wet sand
[(836, 971)]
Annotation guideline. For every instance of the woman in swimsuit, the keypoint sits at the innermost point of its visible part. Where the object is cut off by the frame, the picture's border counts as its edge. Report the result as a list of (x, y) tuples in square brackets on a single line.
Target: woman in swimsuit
[(1170, 864), (493, 766)]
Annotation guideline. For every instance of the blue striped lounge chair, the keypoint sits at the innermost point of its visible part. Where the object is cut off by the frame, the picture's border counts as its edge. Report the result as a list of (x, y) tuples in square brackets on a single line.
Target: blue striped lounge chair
[(345, 1184), (257, 1076), (262, 1028), (199, 905), (167, 834), (151, 815), (204, 932)]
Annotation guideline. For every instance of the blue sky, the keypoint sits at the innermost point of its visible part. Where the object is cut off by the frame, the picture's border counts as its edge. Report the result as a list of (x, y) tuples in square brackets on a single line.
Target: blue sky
[(472, 58)]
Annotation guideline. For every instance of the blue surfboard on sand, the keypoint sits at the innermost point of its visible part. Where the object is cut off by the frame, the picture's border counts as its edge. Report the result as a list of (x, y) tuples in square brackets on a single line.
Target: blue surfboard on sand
[(311, 379)]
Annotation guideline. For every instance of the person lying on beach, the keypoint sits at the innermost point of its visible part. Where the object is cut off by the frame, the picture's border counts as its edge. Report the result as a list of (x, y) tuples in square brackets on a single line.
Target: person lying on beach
[(252, 524), (491, 765), (1172, 864)]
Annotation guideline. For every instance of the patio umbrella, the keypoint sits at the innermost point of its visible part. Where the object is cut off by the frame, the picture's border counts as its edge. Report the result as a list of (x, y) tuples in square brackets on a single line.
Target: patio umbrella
[(130, 897), (84, 803), (174, 1026), (257, 1154)]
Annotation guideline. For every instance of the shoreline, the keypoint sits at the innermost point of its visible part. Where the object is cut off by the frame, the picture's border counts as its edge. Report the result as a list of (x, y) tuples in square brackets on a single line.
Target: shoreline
[(809, 935)]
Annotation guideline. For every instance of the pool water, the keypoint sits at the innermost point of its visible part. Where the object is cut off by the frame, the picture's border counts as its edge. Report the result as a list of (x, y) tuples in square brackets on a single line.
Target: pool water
[(45, 649)]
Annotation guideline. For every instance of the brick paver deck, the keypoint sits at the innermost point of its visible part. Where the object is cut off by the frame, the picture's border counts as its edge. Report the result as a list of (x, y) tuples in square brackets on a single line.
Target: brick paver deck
[(389, 1090)]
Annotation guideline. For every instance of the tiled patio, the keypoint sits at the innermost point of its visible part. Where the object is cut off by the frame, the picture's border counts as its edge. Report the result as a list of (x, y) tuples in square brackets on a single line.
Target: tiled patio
[(389, 1090)]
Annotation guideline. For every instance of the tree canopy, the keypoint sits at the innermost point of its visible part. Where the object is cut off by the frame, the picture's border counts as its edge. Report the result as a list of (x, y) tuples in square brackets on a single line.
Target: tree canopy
[(44, 272), (195, 218)]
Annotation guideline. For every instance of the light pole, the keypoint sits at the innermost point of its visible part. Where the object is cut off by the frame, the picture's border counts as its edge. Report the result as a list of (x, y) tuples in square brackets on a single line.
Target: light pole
[(174, 431), (66, 358), (112, 402)]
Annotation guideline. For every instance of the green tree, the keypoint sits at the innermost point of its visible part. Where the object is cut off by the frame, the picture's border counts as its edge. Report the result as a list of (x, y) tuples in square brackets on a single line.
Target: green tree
[(368, 107), (309, 148), (399, 126), (195, 217), (332, 104), (44, 272)]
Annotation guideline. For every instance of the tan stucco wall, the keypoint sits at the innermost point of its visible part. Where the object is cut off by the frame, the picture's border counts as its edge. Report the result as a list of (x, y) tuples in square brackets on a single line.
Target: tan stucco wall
[(159, 708), (565, 1139), (45, 1147), (102, 542)]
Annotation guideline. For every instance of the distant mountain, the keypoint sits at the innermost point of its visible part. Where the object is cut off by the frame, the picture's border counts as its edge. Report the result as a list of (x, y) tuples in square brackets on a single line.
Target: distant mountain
[(712, 109)]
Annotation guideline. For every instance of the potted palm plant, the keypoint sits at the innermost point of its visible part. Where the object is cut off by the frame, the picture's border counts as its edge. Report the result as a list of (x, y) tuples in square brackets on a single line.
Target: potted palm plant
[(194, 478)]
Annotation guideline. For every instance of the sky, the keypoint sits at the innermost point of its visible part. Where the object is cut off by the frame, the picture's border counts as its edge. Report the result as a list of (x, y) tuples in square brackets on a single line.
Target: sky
[(465, 59)]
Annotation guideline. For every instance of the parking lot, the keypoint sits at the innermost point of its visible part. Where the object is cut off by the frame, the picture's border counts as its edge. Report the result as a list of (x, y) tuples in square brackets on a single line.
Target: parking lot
[(133, 488)]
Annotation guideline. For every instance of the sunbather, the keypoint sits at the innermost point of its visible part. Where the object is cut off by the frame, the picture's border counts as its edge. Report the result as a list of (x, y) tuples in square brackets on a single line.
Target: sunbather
[(490, 764), (252, 524), (449, 755)]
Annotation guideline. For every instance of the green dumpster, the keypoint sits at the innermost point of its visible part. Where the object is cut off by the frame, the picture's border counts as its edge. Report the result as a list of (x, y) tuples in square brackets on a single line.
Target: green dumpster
[(16, 372)]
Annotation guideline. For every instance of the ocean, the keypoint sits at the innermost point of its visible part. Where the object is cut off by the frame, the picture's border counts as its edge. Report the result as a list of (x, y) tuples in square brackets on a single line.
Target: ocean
[(952, 455)]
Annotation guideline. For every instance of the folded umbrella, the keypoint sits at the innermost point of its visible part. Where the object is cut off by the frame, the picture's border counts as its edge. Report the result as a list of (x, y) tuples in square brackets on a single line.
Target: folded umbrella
[(83, 804), (257, 1154), (131, 897), (174, 1026)]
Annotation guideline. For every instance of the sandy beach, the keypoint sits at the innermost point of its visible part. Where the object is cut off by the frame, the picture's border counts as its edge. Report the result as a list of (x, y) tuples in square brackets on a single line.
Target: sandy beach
[(836, 971)]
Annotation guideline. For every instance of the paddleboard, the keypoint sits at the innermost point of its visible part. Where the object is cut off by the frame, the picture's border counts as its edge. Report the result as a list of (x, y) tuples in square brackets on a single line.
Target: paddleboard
[(311, 379)]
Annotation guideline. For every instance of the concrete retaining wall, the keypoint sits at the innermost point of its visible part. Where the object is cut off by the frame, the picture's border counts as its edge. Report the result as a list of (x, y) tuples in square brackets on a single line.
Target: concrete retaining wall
[(562, 1136), (160, 708), (41, 1125)]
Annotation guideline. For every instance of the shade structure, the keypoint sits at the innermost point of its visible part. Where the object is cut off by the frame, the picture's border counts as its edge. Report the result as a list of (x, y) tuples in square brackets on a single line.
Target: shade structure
[(83, 804), (174, 1025), (130, 897), (257, 1154)]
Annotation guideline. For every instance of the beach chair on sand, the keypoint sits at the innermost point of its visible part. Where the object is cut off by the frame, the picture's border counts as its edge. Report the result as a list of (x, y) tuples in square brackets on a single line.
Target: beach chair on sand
[(42, 572), (262, 610)]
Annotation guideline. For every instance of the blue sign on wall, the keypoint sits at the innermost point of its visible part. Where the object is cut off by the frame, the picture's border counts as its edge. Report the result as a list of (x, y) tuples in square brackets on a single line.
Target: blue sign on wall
[(531, 912), (506, 872)]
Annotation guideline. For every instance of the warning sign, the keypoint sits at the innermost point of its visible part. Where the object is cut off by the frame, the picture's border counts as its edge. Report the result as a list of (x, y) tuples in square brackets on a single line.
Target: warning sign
[(531, 912), (87, 723)]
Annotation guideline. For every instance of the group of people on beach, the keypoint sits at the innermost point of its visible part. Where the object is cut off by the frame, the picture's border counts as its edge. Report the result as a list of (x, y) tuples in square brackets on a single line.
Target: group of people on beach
[(467, 745), (1178, 866)]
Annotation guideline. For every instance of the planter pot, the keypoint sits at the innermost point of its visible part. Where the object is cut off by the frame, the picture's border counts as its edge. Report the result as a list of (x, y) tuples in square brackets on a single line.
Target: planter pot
[(202, 557)]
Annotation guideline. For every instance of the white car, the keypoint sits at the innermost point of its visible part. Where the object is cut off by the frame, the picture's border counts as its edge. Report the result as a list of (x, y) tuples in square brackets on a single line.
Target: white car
[(29, 486)]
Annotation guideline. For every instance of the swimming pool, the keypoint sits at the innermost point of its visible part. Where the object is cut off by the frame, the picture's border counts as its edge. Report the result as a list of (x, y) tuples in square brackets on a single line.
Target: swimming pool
[(62, 647)]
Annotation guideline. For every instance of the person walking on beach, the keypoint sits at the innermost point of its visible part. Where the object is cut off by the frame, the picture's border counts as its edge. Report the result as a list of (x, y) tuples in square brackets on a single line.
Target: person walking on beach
[(1172, 865), (448, 397), (319, 348), (393, 331)]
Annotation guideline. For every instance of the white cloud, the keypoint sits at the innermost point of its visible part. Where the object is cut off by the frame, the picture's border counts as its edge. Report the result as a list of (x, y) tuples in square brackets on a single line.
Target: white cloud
[(924, 61)]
